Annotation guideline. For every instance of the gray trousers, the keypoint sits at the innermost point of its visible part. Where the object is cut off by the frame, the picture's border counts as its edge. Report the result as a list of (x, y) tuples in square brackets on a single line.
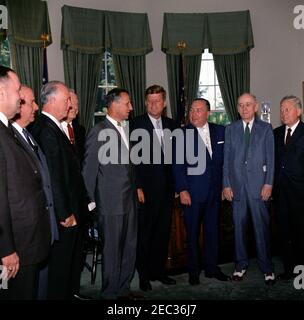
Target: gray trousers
[(119, 236), (260, 219)]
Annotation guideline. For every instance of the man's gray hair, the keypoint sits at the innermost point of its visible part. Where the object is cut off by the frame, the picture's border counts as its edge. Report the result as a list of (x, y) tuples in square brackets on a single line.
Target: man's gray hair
[(295, 100), (48, 90)]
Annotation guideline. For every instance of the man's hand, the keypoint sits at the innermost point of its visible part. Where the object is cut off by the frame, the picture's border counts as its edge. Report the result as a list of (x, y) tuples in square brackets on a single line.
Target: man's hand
[(266, 192), (140, 195), (228, 193), (11, 262), (69, 221), (185, 198)]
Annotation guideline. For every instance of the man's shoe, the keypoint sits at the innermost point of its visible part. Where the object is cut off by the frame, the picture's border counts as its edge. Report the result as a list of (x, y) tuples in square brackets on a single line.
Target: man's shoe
[(238, 275), (78, 296), (145, 285), (165, 280), (269, 278), (218, 275), (194, 280), (286, 276)]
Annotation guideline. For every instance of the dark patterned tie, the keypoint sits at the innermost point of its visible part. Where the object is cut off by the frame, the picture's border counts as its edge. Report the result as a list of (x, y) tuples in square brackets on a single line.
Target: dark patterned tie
[(288, 136), (247, 138), (71, 133)]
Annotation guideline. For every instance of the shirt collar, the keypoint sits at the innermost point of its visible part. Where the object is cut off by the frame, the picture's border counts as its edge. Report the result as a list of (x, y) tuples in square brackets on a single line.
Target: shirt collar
[(3, 119), (154, 120), (250, 124), (18, 127), (293, 128), (53, 119)]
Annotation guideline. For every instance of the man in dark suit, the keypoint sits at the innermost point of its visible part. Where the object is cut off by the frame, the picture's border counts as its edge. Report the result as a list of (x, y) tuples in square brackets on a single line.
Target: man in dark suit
[(24, 216), (289, 184), (110, 183), (67, 185), (76, 134), (21, 121), (247, 180), (155, 190), (200, 194)]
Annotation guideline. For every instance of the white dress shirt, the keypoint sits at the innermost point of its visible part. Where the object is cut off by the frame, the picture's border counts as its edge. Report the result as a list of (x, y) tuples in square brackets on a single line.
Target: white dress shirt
[(3, 119), (158, 126), (120, 129), (205, 135), (293, 128)]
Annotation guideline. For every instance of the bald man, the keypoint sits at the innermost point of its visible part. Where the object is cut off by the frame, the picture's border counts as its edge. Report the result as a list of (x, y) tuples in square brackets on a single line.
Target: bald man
[(247, 180)]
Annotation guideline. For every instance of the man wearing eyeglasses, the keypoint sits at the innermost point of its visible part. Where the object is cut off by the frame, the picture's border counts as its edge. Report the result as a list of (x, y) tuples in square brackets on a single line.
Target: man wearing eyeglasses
[(247, 181)]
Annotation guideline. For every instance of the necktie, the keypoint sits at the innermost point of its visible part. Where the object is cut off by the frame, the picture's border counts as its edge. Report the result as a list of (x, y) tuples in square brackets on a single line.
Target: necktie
[(31, 143), (160, 133), (71, 134), (247, 138), (288, 136), (207, 140)]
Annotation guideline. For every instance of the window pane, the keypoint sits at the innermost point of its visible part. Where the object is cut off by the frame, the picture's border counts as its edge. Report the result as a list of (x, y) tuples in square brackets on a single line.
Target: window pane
[(219, 100), (207, 55), (207, 73), (207, 93), (110, 71), (5, 58), (101, 93)]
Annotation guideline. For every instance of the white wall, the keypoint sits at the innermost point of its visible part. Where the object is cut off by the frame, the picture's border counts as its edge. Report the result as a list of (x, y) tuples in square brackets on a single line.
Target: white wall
[(277, 60)]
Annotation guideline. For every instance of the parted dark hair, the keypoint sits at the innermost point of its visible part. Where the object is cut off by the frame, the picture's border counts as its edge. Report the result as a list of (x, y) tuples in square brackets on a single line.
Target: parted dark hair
[(114, 95), (155, 88), (4, 72), (204, 100)]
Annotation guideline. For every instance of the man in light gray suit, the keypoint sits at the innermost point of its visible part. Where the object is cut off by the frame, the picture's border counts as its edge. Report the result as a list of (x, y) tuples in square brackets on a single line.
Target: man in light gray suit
[(110, 184), (247, 180)]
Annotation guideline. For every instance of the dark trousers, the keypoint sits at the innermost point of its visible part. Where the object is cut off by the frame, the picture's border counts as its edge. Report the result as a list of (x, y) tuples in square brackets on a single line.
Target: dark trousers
[(61, 264), (24, 286), (208, 213), (154, 227), (290, 220)]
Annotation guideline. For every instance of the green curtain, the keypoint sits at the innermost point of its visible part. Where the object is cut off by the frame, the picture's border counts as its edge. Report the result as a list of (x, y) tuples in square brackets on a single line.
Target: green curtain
[(90, 32), (82, 73), (192, 66), (228, 35), (173, 74), (233, 72), (28, 21), (28, 63), (131, 74)]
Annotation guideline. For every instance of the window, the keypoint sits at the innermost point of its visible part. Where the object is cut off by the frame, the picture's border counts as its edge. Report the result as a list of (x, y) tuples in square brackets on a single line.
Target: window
[(5, 57), (209, 89), (107, 83)]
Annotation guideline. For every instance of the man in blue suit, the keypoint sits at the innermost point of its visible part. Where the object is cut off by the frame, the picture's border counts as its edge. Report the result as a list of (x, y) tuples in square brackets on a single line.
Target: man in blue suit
[(200, 194), (247, 180)]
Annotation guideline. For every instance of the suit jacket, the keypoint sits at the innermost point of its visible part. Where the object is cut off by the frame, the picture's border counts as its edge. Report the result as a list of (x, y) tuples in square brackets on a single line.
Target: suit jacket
[(80, 138), (259, 169), (211, 179), (65, 171), (24, 217), (154, 178), (46, 180), (111, 186), (289, 169)]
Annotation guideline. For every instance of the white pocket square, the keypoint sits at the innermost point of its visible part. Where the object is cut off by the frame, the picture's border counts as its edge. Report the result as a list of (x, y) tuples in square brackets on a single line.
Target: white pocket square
[(220, 142)]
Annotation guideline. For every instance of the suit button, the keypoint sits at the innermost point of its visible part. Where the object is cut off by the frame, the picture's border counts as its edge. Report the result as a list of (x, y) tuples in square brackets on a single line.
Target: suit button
[(35, 171), (283, 167), (47, 208)]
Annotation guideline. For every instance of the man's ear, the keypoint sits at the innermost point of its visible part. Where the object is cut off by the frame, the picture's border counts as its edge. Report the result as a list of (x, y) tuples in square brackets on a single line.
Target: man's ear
[(2, 92)]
